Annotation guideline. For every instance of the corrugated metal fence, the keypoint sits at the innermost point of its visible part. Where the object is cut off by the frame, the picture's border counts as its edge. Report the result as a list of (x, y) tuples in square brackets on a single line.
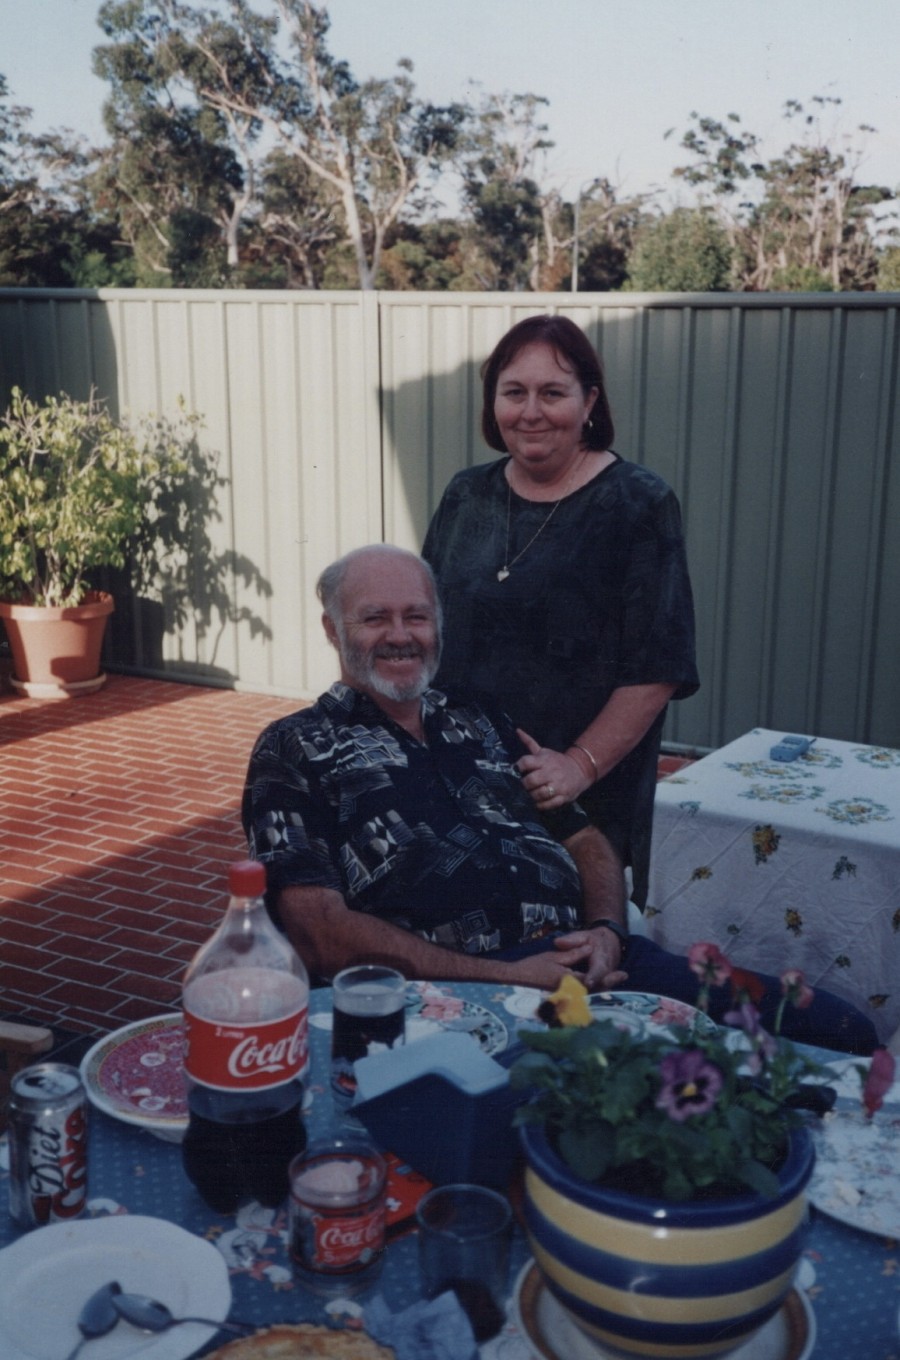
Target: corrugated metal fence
[(338, 418)]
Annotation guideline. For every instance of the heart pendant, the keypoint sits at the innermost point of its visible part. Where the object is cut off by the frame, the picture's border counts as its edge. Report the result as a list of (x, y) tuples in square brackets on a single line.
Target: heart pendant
[(502, 574)]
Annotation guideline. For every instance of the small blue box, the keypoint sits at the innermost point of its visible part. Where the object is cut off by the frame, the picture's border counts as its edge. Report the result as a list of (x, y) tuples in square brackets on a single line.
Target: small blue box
[(443, 1106), (789, 748)]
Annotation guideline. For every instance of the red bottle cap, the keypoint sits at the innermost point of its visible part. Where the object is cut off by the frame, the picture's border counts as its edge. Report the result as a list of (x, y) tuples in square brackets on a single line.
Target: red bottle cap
[(247, 878)]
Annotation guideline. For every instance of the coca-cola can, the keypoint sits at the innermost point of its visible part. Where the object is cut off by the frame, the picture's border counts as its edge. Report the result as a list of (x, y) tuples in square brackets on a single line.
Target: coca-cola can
[(337, 1216), (48, 1128)]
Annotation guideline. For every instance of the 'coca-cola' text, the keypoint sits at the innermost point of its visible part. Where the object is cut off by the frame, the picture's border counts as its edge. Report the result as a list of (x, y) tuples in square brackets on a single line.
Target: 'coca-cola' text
[(246, 1057)]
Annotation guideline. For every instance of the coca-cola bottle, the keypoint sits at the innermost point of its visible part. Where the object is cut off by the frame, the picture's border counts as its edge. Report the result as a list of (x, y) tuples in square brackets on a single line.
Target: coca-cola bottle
[(245, 998)]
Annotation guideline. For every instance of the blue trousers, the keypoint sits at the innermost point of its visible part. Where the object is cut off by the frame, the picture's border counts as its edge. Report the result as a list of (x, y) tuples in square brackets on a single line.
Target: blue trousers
[(828, 1021)]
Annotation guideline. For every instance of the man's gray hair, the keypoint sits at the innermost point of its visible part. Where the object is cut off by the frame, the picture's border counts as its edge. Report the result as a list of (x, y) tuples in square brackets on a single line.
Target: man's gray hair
[(328, 586)]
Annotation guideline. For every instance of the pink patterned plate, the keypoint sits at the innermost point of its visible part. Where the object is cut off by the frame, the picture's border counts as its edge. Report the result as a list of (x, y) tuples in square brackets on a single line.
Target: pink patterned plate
[(137, 1075)]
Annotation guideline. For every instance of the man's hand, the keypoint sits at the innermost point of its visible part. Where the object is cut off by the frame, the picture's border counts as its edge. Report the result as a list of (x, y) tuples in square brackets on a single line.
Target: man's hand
[(551, 777), (546, 970), (601, 971)]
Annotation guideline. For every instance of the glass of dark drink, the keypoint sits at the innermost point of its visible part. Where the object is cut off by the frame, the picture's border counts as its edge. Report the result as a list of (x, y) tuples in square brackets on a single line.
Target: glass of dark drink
[(464, 1242), (369, 1005)]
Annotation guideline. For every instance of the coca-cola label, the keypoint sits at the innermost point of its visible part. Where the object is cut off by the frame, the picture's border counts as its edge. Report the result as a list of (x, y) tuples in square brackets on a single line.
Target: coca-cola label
[(346, 1243), (246, 1057)]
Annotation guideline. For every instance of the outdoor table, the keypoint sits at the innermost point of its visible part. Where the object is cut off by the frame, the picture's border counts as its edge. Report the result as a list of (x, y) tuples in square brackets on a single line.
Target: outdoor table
[(852, 1278), (786, 865)]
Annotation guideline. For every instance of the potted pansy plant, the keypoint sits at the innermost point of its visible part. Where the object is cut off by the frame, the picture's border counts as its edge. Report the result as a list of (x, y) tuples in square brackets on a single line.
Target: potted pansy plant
[(666, 1169)]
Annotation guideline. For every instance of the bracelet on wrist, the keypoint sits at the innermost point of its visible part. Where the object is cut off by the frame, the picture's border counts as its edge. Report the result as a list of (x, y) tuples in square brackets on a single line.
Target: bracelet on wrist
[(618, 930), (577, 746)]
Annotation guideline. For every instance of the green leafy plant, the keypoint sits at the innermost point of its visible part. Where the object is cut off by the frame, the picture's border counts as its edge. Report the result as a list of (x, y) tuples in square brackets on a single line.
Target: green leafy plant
[(74, 487), (673, 1113)]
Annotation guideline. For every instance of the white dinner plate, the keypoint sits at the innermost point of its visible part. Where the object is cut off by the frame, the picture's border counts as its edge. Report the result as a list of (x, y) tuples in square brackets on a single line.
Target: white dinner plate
[(137, 1074), (552, 1335), (855, 1175), (47, 1276)]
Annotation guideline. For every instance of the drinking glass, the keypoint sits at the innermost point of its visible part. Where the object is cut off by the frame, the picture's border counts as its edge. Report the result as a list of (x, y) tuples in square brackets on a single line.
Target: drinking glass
[(369, 1014), (464, 1242)]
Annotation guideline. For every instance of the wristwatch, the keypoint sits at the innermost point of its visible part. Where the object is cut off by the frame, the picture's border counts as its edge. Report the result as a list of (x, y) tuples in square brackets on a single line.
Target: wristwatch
[(614, 926)]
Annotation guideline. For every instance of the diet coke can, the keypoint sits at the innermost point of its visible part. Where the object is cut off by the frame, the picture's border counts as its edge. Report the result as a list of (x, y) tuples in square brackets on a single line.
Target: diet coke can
[(47, 1145)]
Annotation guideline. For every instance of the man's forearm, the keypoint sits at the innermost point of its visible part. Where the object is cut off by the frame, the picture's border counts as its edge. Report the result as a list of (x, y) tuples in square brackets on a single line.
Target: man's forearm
[(602, 877), (328, 936)]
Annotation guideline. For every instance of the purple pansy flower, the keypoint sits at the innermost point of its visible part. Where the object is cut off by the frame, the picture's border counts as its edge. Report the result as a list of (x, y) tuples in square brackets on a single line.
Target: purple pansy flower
[(690, 1086)]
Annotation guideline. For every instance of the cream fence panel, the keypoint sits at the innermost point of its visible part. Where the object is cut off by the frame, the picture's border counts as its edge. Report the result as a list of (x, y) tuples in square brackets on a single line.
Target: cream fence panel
[(338, 418)]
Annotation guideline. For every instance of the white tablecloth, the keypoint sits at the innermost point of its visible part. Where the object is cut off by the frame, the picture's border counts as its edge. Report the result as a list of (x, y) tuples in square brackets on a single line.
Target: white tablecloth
[(786, 865)]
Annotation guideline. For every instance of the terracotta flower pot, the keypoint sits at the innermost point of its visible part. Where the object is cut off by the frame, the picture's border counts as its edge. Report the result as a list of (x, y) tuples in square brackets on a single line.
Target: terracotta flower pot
[(649, 1277), (56, 650)]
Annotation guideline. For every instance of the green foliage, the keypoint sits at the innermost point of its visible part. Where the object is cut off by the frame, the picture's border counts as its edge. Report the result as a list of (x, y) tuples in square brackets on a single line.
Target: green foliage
[(889, 270), (616, 1113), (802, 220), (74, 488), (244, 153), (686, 251), (801, 278)]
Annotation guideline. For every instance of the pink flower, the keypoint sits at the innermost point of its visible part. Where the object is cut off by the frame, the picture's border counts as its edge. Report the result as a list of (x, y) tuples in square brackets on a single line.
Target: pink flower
[(437, 1005), (709, 963), (670, 1012), (793, 985), (879, 1080)]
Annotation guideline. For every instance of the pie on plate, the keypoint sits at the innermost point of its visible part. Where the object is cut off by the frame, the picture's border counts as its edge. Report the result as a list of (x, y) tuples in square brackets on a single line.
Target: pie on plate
[(296, 1342)]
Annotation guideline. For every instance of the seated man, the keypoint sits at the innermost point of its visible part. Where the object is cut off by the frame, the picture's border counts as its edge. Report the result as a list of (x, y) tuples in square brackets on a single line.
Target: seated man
[(395, 828)]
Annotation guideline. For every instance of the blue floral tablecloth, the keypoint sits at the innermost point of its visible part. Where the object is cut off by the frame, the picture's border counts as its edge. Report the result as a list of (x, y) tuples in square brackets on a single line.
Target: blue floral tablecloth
[(851, 1278), (786, 864)]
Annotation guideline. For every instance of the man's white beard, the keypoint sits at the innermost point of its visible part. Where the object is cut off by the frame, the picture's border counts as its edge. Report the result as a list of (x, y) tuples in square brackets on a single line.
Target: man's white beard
[(361, 668)]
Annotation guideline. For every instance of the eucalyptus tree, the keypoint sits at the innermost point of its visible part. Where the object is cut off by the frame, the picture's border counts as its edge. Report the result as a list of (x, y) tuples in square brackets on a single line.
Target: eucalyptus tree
[(299, 226), (178, 176), (500, 165), (50, 232), (801, 219), (268, 77)]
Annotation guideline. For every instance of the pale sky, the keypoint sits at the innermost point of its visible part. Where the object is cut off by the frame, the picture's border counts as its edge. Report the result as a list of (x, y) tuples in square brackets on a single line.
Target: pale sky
[(618, 73)]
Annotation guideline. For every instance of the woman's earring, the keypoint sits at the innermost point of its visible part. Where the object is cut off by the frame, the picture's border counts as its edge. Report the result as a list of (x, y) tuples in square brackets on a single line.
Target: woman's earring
[(588, 424)]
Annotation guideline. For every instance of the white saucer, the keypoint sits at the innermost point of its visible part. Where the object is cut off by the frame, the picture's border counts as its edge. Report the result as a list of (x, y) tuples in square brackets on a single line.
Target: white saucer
[(47, 1275), (789, 1335)]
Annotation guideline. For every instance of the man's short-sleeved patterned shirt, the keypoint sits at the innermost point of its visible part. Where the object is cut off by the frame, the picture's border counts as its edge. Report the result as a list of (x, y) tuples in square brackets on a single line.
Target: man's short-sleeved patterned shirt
[(440, 838)]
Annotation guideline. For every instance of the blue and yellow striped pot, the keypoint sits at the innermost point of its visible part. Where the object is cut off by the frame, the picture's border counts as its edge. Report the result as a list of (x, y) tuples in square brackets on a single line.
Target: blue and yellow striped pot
[(646, 1277)]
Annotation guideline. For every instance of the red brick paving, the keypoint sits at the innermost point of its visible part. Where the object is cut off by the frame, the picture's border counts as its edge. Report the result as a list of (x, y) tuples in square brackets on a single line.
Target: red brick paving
[(119, 813), (118, 818)]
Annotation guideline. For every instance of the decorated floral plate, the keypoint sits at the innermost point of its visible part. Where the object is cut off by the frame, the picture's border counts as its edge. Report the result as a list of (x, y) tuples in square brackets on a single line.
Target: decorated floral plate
[(647, 1011), (855, 1176), (637, 1011), (552, 1335), (136, 1074), (433, 1009)]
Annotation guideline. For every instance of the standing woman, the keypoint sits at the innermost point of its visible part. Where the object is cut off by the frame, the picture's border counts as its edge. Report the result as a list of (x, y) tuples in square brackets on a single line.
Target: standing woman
[(565, 587)]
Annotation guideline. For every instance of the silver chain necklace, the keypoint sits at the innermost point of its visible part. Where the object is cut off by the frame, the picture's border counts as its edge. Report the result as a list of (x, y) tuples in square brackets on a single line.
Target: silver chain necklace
[(507, 565)]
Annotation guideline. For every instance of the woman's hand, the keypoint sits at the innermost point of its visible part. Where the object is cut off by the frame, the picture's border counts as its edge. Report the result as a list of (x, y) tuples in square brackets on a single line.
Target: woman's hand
[(551, 777)]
